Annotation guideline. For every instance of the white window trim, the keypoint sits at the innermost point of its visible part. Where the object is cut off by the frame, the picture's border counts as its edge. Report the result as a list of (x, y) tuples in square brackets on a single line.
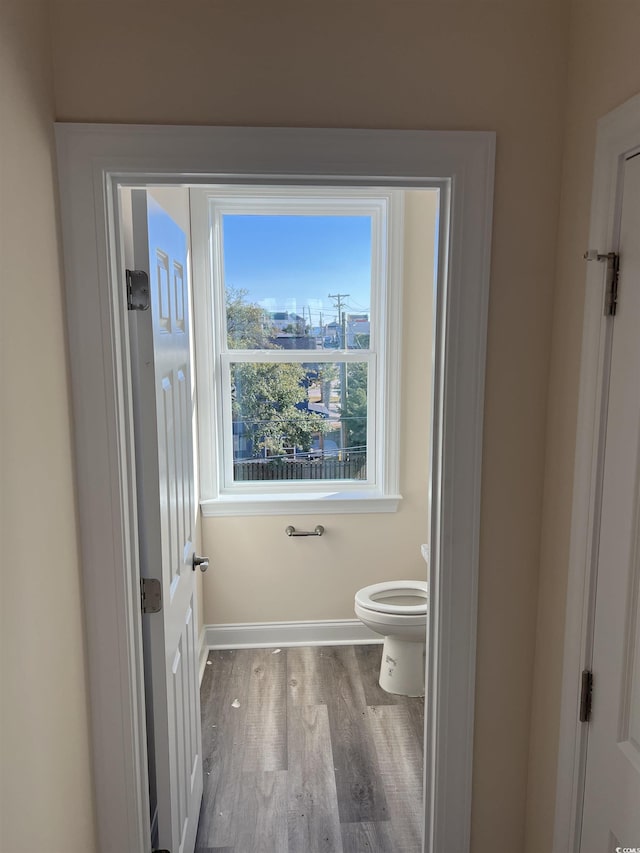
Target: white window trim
[(380, 492), (93, 160)]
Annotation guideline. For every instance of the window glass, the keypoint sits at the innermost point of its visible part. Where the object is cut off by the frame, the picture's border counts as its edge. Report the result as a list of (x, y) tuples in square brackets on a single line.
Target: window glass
[(299, 420), (297, 281)]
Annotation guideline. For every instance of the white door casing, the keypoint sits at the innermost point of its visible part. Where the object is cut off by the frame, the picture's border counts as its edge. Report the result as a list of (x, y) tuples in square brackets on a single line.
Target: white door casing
[(94, 160), (611, 811), (163, 414), (618, 139)]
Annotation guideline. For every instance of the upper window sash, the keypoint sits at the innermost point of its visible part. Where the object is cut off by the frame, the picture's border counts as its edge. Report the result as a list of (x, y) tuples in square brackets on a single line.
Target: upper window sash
[(315, 202)]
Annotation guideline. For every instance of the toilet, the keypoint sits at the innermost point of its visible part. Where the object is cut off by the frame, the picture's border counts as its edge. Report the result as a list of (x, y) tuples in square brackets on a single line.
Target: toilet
[(398, 611)]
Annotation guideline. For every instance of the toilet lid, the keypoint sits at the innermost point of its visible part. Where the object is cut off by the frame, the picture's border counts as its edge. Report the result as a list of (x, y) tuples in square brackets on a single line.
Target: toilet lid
[(401, 597)]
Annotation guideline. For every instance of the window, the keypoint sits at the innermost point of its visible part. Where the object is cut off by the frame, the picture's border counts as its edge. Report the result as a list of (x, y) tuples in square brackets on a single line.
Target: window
[(298, 305)]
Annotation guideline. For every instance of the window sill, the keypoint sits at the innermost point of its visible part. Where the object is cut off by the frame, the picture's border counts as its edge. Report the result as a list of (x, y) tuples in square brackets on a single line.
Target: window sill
[(328, 503)]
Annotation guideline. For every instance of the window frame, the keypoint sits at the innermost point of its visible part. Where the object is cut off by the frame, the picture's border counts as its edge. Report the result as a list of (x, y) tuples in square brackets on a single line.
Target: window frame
[(380, 492)]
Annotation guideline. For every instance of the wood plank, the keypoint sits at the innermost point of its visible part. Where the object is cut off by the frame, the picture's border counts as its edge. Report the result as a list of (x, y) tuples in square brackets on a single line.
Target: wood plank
[(415, 708), (214, 850), (344, 759), (223, 728), (369, 658), (304, 678), (400, 769), (366, 837), (262, 813), (361, 796), (265, 735), (313, 825)]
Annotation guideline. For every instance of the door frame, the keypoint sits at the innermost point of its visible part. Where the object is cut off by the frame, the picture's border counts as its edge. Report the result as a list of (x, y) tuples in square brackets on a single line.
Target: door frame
[(93, 160), (618, 136)]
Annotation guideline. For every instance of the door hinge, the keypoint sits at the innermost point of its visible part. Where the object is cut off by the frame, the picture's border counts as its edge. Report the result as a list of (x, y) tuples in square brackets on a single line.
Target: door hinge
[(611, 282), (586, 694), (138, 295), (150, 595)]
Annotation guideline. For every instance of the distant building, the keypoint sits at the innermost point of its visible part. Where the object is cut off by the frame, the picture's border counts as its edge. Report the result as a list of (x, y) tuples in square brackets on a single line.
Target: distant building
[(285, 340), (358, 331), (332, 335), (286, 321)]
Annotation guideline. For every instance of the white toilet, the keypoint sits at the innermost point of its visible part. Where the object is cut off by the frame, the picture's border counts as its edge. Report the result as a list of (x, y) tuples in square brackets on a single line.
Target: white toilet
[(398, 611)]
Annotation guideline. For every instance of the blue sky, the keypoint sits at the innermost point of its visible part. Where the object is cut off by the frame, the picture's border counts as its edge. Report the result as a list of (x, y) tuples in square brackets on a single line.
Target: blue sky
[(292, 263)]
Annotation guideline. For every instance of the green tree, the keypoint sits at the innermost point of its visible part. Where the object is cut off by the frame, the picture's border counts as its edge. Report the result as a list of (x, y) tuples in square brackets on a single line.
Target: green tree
[(265, 401), (327, 374), (248, 325), (361, 341), (265, 396), (354, 412)]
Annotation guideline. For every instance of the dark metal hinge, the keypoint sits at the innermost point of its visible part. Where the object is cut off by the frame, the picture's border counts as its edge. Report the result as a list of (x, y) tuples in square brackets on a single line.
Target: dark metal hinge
[(611, 282), (138, 295), (586, 695), (150, 595)]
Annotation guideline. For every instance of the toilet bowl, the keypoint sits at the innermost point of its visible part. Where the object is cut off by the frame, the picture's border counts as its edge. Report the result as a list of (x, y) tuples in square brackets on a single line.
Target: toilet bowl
[(398, 611)]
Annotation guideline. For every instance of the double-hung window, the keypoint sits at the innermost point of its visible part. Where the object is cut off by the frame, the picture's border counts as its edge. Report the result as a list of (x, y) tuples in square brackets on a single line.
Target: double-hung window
[(297, 306)]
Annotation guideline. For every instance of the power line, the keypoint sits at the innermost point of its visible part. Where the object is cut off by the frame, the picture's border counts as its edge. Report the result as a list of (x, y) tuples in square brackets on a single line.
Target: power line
[(339, 301)]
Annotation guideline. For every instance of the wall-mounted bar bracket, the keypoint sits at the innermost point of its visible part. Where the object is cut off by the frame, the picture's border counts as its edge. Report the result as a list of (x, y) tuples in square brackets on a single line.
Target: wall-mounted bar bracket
[(317, 531)]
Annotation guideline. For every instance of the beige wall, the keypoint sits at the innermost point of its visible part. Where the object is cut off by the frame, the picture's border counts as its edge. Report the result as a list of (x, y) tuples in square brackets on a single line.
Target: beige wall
[(251, 65), (604, 71), (454, 65), (46, 792), (259, 574)]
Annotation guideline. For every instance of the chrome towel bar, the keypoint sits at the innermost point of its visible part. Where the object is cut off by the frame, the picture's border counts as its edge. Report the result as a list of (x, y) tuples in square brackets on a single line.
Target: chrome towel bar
[(317, 531)]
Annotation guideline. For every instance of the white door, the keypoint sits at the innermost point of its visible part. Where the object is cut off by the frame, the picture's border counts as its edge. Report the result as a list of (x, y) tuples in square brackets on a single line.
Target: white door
[(163, 406), (611, 815)]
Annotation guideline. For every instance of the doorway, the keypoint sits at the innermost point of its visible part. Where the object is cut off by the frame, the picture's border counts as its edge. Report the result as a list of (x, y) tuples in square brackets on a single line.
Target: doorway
[(260, 296), (377, 750), (94, 163)]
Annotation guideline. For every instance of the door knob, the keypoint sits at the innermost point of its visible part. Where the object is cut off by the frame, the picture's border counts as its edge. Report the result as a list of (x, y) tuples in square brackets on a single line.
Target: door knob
[(203, 562)]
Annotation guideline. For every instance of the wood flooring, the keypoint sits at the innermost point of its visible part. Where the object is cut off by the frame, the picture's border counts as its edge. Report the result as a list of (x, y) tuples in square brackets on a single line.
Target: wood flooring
[(305, 753)]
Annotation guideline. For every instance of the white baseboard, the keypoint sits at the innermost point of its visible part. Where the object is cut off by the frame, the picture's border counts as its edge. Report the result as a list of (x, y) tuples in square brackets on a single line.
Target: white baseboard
[(329, 632)]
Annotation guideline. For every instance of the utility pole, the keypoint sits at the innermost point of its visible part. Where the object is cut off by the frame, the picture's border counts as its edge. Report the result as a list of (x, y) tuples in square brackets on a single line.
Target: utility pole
[(339, 301)]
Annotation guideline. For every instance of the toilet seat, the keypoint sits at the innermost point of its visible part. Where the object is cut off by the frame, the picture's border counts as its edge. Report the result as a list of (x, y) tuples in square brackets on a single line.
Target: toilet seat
[(391, 597)]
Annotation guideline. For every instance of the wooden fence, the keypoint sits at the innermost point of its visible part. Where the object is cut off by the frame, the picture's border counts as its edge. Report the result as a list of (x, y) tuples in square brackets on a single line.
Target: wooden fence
[(352, 467)]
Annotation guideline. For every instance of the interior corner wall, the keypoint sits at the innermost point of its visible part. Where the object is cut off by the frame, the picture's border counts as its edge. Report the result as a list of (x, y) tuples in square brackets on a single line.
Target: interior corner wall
[(46, 787), (603, 73), (425, 65), (258, 574)]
